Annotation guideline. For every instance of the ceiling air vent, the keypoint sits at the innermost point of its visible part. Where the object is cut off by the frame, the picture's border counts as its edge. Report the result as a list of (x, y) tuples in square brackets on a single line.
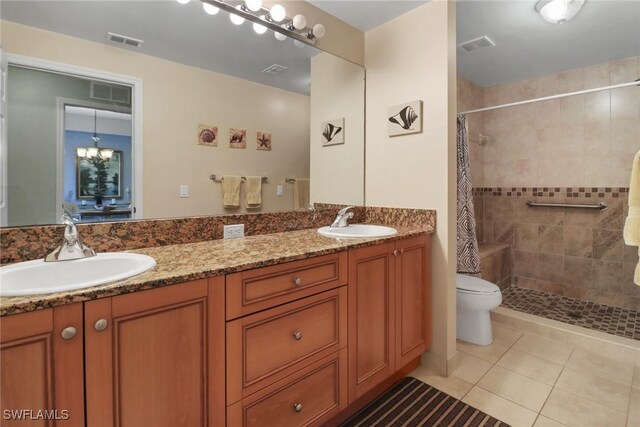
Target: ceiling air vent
[(129, 41), (477, 43), (274, 69)]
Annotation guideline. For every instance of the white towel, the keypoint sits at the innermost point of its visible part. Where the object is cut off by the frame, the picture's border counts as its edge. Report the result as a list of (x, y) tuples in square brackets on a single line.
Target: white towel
[(632, 224), (231, 191), (301, 193), (253, 191)]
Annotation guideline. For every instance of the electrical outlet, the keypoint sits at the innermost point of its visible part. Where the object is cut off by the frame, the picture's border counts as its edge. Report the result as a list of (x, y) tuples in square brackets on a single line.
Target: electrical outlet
[(184, 190), (279, 190), (234, 231)]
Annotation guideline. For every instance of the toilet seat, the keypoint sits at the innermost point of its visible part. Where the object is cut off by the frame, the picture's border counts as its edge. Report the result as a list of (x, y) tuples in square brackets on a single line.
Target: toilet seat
[(475, 285)]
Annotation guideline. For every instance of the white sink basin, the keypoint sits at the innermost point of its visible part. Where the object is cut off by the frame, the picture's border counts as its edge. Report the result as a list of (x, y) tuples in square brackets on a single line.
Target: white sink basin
[(358, 231), (39, 277)]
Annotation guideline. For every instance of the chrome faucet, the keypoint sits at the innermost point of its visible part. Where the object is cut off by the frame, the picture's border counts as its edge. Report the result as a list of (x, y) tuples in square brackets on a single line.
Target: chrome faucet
[(342, 217), (71, 247)]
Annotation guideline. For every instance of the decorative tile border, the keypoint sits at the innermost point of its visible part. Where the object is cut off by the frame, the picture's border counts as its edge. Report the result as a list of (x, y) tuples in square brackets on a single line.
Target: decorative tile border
[(559, 192), (27, 243)]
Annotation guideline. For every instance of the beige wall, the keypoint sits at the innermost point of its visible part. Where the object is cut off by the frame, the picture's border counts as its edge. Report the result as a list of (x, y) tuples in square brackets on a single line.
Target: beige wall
[(337, 171), (470, 97), (580, 141), (176, 99), (413, 57), (341, 39)]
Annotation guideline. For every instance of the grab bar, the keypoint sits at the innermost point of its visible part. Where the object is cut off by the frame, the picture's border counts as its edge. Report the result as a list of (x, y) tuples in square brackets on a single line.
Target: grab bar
[(533, 204)]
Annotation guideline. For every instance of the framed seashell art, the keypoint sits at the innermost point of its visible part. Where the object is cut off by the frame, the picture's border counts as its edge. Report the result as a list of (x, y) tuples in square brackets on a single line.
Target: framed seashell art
[(263, 141), (405, 119), (332, 132), (237, 138), (208, 135)]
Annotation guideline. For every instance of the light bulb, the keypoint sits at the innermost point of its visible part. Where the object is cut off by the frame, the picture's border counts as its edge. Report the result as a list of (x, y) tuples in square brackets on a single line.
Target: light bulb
[(277, 13), (81, 152), (279, 36), (299, 22), (183, 1), (106, 153), (237, 20), (253, 5), (318, 31), (259, 29), (92, 152), (210, 9)]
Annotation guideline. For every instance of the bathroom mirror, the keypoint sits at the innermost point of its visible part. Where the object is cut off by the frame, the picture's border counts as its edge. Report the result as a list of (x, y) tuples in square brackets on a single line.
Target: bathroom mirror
[(174, 98)]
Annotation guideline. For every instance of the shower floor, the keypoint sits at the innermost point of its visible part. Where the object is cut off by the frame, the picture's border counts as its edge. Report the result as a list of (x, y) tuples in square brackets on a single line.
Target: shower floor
[(617, 321)]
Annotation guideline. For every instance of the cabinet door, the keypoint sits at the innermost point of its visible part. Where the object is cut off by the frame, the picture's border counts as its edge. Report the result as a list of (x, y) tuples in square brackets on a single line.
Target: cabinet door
[(151, 357), (413, 299), (371, 318), (41, 368)]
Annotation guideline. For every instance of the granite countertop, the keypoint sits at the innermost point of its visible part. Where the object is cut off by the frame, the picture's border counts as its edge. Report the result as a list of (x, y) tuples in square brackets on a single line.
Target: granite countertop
[(186, 262)]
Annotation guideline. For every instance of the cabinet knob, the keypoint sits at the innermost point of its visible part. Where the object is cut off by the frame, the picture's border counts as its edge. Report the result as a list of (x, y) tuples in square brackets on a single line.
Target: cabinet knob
[(297, 407), (402, 250), (297, 335), (101, 325), (68, 333), (297, 281), (395, 252)]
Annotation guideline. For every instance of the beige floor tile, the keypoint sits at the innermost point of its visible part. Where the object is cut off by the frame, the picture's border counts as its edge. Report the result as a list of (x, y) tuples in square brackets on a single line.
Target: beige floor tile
[(452, 385), (597, 389), (500, 408), (619, 352), (597, 364), (634, 408), (515, 387), (572, 410), (543, 421), (504, 335), (636, 377), (531, 366), (470, 368), (544, 348), (491, 353)]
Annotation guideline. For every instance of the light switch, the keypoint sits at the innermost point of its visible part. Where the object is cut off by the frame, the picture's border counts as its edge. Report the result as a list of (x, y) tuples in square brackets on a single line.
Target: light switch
[(184, 190), (279, 190)]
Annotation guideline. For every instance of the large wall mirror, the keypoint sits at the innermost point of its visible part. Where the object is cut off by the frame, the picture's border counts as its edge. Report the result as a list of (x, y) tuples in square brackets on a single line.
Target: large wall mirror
[(111, 131)]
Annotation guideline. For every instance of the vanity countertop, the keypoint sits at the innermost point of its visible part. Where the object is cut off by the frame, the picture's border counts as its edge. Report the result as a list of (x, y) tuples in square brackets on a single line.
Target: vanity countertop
[(186, 262)]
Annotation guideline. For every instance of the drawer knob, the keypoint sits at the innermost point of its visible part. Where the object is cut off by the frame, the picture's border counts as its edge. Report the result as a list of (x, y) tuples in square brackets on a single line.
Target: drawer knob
[(395, 252), (402, 250), (297, 407), (68, 333), (297, 281), (101, 325), (297, 335)]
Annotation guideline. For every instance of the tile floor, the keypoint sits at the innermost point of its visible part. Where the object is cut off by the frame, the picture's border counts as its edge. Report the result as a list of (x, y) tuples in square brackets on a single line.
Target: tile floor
[(528, 380), (617, 321)]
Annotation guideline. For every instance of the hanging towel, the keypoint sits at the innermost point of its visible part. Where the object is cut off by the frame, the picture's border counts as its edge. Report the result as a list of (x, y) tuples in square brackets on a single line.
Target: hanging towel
[(301, 193), (231, 191), (253, 191), (632, 224)]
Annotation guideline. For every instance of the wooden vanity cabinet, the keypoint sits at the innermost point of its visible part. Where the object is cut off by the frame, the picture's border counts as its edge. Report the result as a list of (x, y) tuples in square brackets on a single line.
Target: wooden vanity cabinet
[(389, 310), (156, 357), (42, 366)]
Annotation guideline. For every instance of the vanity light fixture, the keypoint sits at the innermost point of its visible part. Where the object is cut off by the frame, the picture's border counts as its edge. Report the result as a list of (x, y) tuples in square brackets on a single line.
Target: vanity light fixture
[(183, 1), (94, 152), (264, 19), (559, 11)]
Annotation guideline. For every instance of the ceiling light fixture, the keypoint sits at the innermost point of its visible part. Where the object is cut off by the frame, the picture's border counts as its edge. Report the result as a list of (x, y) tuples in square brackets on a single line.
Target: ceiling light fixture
[(98, 154), (559, 11), (264, 19)]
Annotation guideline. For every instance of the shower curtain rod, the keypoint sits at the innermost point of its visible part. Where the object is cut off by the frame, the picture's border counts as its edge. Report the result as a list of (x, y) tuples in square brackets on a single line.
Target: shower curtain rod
[(547, 98)]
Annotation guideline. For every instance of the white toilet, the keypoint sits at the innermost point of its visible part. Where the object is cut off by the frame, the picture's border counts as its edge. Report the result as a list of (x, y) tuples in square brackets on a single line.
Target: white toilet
[(475, 297)]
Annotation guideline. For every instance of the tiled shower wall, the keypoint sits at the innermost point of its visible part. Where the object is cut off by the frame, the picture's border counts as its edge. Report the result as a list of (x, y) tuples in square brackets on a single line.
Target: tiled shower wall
[(576, 149)]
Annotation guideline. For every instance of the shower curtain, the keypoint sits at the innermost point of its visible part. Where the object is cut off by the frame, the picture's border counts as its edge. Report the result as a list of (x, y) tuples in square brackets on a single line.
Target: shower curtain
[(468, 260)]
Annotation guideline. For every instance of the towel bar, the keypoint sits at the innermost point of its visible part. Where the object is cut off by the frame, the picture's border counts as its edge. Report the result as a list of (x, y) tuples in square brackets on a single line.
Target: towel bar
[(215, 178), (290, 180), (533, 204)]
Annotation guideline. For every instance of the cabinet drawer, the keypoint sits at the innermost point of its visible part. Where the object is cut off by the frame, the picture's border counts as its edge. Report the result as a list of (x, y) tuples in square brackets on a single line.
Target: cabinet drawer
[(255, 290), (312, 396), (267, 346)]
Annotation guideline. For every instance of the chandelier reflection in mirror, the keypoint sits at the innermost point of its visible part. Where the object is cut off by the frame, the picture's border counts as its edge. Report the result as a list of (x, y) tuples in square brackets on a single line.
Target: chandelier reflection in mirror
[(94, 152), (263, 19)]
